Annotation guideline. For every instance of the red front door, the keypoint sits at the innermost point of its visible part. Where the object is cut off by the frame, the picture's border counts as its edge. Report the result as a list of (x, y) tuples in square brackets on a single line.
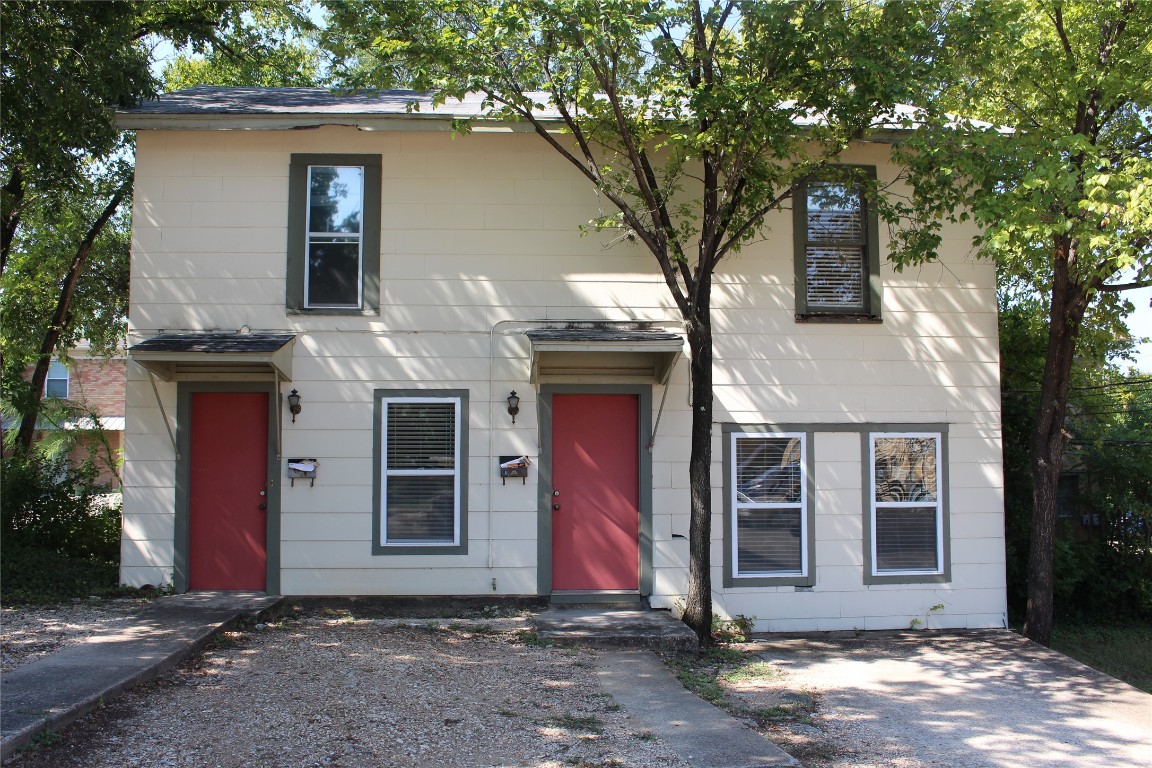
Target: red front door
[(596, 486), (227, 505)]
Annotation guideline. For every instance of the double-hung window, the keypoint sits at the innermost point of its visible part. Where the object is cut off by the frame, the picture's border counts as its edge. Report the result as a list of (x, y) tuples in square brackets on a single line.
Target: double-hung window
[(768, 513), (837, 248), (56, 385), (907, 521), (334, 234), (420, 481)]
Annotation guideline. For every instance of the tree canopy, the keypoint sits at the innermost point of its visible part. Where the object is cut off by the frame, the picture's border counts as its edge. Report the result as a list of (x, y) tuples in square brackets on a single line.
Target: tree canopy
[(65, 68), (693, 119), (1059, 181)]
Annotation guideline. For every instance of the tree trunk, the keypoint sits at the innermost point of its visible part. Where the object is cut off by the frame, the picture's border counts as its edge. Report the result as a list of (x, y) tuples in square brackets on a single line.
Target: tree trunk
[(60, 319), (698, 607), (1069, 301), (13, 203)]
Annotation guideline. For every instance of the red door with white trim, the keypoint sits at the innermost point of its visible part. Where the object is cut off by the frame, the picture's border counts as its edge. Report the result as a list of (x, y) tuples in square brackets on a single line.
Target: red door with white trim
[(596, 492), (227, 503)]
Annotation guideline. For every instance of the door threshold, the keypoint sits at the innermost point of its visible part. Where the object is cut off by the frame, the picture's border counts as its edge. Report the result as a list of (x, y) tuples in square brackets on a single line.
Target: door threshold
[(619, 597)]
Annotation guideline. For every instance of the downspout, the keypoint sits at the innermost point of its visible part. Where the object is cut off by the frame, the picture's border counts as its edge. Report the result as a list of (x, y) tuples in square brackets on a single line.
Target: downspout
[(279, 416)]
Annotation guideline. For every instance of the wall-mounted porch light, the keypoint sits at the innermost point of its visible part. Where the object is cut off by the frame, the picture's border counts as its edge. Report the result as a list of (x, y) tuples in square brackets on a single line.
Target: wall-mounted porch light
[(513, 405), (294, 404)]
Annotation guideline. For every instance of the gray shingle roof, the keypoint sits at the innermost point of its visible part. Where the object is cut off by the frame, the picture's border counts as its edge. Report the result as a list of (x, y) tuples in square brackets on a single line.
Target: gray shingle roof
[(212, 100), (213, 342)]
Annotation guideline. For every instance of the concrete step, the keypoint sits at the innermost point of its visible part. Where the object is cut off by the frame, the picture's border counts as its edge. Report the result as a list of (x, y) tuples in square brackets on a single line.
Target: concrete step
[(600, 627)]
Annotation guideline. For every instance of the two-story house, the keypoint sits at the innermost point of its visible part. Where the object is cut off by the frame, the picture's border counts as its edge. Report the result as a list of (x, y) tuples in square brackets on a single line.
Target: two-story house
[(349, 326)]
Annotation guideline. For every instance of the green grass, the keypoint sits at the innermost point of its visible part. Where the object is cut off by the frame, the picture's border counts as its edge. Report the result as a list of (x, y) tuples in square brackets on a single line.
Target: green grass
[(1124, 651)]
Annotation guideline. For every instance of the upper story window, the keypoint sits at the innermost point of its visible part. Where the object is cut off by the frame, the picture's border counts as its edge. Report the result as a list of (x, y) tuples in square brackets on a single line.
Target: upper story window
[(837, 250), (56, 385), (334, 234)]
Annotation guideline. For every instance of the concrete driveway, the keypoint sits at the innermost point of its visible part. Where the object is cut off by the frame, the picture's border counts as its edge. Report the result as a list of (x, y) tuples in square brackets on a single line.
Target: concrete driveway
[(987, 699)]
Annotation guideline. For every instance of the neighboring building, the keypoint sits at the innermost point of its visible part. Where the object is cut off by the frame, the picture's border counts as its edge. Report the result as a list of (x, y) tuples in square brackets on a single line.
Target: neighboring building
[(403, 282), (93, 388)]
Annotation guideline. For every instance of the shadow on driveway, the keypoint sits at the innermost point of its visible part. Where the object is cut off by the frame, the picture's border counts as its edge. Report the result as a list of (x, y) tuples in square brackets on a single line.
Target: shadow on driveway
[(981, 699)]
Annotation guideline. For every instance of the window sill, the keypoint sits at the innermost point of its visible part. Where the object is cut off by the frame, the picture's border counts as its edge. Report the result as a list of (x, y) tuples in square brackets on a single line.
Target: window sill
[(737, 582), (907, 578), (830, 317), (420, 549), (332, 312)]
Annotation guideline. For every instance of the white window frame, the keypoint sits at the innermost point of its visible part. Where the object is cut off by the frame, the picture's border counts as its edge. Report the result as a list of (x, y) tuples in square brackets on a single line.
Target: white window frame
[(58, 366), (331, 236), (938, 504), (386, 473), (801, 507)]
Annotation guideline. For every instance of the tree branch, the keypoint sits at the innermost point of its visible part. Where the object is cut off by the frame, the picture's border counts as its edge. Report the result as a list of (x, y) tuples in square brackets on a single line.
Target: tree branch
[(1107, 288), (63, 315)]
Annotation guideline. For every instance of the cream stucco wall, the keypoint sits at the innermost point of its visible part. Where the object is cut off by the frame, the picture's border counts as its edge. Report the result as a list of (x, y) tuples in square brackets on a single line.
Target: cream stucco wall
[(479, 236)]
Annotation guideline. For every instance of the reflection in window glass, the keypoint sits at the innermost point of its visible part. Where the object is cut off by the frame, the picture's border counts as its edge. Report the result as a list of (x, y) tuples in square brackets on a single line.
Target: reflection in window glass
[(769, 526), (335, 236), (906, 512), (836, 246)]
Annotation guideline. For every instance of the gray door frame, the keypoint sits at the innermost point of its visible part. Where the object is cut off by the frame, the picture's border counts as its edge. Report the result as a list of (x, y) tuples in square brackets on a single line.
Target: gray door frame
[(544, 497), (184, 392)]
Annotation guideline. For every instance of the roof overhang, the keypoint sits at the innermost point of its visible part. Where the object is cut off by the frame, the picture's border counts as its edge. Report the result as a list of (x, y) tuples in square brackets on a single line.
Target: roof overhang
[(602, 353), (223, 356)]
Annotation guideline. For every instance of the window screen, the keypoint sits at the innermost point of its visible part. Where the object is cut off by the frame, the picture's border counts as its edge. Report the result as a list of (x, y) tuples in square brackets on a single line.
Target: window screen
[(906, 511), (421, 471), (769, 525)]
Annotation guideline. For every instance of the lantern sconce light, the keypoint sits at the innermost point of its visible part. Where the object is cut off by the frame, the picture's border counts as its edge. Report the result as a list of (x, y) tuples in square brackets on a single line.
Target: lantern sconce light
[(513, 405), (294, 404)]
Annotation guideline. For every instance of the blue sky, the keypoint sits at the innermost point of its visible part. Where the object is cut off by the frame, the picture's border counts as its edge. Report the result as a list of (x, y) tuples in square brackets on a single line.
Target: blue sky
[(1140, 323)]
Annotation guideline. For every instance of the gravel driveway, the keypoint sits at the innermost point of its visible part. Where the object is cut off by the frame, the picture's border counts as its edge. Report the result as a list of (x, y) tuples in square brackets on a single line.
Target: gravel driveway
[(322, 691)]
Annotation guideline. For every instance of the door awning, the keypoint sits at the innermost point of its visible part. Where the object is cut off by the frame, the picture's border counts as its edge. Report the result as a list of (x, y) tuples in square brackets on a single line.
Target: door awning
[(604, 354), (188, 356)]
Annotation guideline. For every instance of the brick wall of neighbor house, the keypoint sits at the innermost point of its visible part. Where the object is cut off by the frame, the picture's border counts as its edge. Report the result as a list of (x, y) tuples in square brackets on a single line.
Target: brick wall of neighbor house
[(100, 386), (99, 383), (479, 236)]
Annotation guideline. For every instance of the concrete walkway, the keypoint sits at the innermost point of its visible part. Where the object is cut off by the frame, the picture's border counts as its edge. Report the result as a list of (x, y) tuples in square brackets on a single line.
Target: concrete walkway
[(700, 733), (52, 692)]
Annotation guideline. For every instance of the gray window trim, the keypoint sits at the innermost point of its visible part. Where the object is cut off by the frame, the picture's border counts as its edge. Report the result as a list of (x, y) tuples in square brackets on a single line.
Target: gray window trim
[(808, 579), (378, 548), (298, 235), (874, 291), (944, 575)]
